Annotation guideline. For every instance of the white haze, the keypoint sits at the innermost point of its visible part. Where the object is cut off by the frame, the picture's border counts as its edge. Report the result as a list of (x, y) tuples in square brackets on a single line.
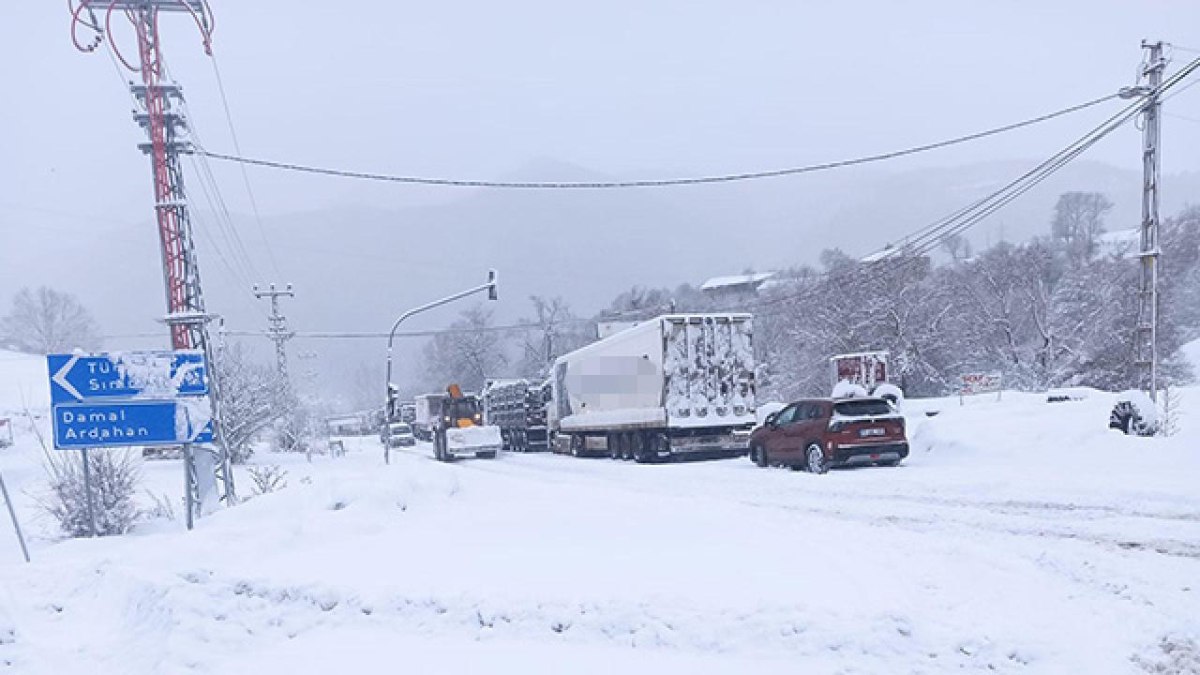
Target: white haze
[(559, 91)]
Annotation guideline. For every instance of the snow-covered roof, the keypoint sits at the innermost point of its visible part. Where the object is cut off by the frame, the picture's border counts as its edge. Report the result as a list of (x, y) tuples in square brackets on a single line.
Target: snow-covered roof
[(1124, 243), (885, 252), (752, 279)]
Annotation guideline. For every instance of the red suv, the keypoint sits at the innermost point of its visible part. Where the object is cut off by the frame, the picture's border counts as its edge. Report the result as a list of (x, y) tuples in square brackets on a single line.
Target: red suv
[(815, 434)]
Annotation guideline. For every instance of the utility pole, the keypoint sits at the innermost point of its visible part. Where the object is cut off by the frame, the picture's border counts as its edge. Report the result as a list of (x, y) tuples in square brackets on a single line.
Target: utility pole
[(1146, 332), (159, 112), (278, 331)]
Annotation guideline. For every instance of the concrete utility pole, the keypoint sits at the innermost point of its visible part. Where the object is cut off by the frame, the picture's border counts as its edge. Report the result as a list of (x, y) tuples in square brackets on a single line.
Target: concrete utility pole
[(278, 331), (1147, 321)]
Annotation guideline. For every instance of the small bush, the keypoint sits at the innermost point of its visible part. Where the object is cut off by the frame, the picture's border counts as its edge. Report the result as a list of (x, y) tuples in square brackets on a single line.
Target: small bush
[(268, 478), (114, 477), (161, 507)]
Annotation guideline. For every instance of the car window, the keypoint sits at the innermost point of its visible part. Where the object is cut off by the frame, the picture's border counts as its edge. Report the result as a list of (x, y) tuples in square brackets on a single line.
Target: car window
[(786, 416), (815, 411), (862, 407)]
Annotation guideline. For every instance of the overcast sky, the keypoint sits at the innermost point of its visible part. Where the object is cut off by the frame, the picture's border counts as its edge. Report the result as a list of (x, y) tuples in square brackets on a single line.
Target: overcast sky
[(481, 88)]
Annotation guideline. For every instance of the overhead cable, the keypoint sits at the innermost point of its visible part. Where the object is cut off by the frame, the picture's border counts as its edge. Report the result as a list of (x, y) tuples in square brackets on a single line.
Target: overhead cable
[(662, 182)]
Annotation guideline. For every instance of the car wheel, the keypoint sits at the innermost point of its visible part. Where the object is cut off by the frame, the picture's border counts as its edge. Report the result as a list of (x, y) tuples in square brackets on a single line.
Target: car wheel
[(758, 455), (890, 462), (814, 459)]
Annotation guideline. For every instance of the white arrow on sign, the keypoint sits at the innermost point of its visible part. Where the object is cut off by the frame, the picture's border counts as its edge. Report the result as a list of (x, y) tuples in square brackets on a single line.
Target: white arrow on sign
[(60, 378)]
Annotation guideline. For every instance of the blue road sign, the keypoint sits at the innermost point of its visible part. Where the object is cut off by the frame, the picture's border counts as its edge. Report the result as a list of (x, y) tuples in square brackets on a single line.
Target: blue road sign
[(76, 378), (111, 425)]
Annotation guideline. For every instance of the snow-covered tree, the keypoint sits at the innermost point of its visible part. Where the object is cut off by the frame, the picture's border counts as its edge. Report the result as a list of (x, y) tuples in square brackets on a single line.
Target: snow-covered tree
[(469, 354), (43, 321), (1079, 221), (552, 331), (249, 395)]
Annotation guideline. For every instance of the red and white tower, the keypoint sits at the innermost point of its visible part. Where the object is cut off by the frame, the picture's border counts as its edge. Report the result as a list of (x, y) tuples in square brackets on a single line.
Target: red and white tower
[(161, 115)]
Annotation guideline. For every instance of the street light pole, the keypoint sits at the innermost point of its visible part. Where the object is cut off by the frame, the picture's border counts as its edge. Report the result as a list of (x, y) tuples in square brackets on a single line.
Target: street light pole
[(389, 402)]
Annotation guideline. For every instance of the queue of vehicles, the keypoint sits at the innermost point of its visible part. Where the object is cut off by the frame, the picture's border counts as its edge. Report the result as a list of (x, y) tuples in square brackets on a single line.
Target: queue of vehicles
[(679, 385)]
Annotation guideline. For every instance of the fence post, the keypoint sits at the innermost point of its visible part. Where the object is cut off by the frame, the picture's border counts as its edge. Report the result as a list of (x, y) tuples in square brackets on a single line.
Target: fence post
[(13, 514)]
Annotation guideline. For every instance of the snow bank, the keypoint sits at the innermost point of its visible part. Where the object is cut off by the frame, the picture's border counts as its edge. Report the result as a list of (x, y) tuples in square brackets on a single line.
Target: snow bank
[(546, 563), (24, 383), (1191, 352), (847, 389), (889, 391)]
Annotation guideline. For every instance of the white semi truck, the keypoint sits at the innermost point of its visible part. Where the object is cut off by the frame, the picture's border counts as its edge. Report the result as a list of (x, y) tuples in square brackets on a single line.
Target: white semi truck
[(680, 384)]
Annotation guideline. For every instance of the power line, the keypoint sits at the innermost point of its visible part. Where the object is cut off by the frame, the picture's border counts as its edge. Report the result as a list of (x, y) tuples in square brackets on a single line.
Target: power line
[(929, 237), (245, 174), (1183, 117), (375, 335), (665, 182), (1181, 90)]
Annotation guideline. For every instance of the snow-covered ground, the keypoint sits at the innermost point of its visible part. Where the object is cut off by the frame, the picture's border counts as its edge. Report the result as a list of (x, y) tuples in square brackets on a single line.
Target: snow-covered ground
[(1020, 536)]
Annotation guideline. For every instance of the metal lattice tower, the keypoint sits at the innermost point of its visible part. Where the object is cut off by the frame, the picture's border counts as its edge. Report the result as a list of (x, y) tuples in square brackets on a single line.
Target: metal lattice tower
[(160, 114), (1146, 332)]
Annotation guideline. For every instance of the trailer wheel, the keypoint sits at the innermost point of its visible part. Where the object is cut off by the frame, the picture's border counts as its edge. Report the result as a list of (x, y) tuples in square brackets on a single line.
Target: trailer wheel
[(523, 440), (628, 445), (614, 446), (576, 446), (650, 446)]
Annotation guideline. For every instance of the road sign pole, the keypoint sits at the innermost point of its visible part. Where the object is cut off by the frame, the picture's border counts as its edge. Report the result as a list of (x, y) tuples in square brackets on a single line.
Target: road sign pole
[(189, 484), (13, 514), (87, 488)]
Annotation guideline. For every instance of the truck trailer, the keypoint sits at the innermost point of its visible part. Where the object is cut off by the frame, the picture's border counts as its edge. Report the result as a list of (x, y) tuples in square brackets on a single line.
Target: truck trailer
[(518, 407), (426, 410), (676, 385)]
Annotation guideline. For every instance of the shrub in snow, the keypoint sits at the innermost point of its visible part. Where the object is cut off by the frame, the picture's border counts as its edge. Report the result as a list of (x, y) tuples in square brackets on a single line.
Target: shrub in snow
[(846, 389), (268, 478), (161, 507), (1134, 414), (114, 479), (890, 392)]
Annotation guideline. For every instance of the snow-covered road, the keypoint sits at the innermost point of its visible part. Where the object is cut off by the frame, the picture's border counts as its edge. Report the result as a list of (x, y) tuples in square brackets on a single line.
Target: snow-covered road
[(1020, 536)]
